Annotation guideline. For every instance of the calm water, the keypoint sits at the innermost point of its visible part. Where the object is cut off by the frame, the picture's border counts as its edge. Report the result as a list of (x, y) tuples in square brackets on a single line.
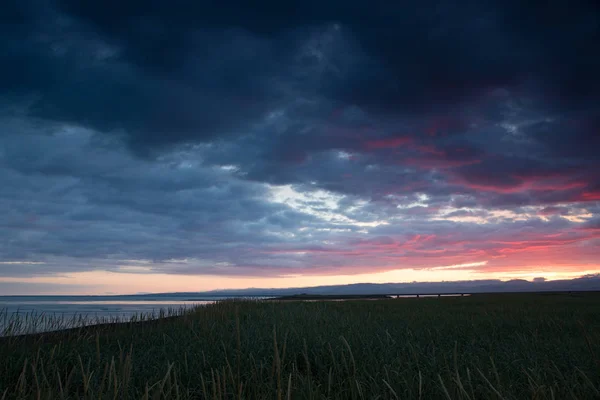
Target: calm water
[(112, 307), (87, 309)]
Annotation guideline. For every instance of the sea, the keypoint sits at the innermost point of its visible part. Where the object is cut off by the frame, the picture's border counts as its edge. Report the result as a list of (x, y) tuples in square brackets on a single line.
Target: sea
[(31, 314)]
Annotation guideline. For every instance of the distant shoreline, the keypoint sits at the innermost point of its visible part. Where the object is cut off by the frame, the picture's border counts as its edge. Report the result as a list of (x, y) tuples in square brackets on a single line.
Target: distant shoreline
[(296, 297), (316, 297)]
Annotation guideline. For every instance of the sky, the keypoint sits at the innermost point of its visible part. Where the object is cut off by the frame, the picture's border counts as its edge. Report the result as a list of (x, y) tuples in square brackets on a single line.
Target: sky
[(157, 146)]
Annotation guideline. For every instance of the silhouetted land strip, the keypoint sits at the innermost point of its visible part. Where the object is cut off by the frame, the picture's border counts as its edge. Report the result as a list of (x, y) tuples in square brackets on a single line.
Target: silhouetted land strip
[(316, 297), (509, 346)]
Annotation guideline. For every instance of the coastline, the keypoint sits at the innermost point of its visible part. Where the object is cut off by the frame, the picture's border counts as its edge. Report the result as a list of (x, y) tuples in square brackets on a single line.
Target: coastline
[(332, 297)]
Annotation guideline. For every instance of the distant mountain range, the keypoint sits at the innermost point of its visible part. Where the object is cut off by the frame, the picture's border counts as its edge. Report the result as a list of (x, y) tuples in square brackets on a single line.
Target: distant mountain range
[(584, 283)]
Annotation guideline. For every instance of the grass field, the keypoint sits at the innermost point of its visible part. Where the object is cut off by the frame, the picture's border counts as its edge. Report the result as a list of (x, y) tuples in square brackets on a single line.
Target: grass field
[(511, 346)]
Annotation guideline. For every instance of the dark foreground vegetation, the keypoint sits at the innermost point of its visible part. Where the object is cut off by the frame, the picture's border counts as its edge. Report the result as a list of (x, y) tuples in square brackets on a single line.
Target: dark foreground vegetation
[(515, 346)]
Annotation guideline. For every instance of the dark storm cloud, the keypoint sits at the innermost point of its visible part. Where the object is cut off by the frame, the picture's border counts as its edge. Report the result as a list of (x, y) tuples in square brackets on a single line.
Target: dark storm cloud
[(448, 51), (76, 72), (183, 72)]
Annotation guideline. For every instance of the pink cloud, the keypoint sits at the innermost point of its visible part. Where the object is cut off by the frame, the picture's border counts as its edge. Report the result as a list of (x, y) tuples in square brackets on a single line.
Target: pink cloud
[(555, 181), (593, 195), (522, 186)]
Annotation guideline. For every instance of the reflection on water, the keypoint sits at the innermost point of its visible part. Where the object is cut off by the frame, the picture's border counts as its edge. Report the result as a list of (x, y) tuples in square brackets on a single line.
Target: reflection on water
[(44, 313), (101, 308)]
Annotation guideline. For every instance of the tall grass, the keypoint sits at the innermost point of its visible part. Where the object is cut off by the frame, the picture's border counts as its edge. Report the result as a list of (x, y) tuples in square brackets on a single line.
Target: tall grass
[(25, 323), (479, 347)]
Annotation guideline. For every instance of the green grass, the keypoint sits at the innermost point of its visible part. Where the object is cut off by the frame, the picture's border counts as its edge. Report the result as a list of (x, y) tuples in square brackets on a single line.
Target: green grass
[(481, 347)]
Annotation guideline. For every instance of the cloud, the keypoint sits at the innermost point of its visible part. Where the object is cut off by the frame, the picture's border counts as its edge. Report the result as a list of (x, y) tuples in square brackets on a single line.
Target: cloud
[(296, 138)]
